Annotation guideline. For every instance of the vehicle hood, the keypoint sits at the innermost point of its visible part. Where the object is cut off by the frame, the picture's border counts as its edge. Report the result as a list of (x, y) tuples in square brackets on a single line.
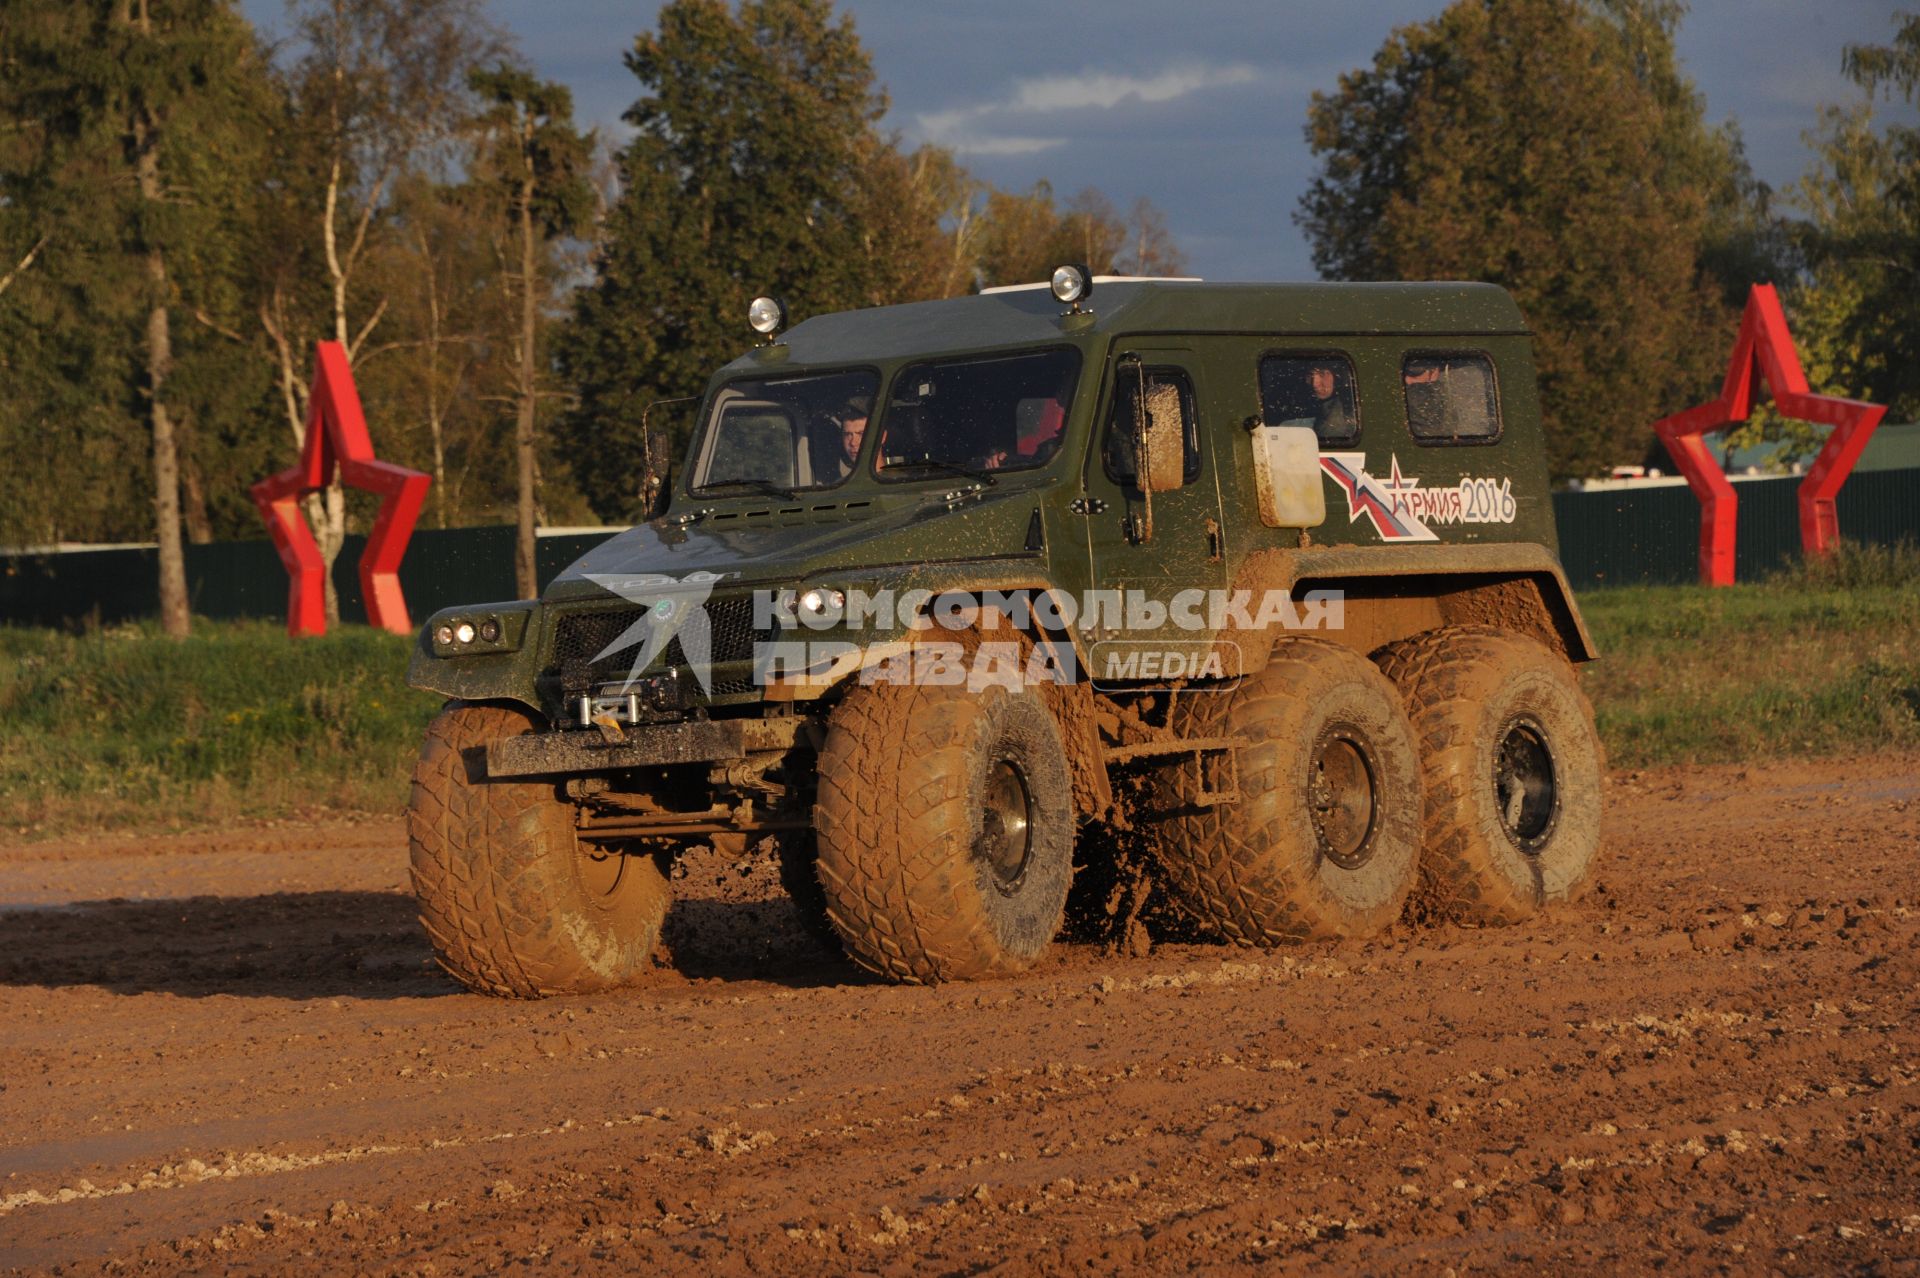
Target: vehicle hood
[(748, 543)]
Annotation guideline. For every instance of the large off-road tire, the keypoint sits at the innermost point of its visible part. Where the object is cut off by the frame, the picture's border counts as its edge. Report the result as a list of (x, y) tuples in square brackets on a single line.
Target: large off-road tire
[(945, 826), (1324, 838), (1511, 766), (515, 905)]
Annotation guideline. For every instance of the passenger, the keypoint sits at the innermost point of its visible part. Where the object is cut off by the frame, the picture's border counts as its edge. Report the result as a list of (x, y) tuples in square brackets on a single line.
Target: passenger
[(1332, 419), (1036, 443)]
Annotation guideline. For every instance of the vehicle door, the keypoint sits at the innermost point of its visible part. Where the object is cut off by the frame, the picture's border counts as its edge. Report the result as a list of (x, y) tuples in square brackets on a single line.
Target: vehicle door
[(1155, 556)]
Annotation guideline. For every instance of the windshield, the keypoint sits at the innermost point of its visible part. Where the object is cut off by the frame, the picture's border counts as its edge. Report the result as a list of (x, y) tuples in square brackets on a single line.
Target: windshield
[(1004, 412), (785, 433)]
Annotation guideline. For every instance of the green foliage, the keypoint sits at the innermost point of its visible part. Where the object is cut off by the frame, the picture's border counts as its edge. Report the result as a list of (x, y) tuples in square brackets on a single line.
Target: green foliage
[(527, 139), (745, 177), (1854, 565), (1555, 149), (80, 86), (1024, 237), (236, 722), (1857, 314), (1801, 665)]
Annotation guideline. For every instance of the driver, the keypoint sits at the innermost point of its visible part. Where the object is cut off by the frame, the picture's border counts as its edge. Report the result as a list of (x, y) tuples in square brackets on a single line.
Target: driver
[(852, 421)]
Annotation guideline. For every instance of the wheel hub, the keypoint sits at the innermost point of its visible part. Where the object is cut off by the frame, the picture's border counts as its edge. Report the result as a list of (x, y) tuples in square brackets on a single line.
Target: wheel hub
[(1005, 842), (601, 870), (1523, 785), (1340, 793)]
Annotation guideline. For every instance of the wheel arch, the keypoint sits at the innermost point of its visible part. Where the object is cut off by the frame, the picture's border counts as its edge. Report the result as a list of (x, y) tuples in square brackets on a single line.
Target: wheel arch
[(1388, 593)]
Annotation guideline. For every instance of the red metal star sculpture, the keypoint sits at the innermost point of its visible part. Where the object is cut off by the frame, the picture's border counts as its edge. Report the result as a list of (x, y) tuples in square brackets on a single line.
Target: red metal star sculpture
[(337, 438), (1765, 346)]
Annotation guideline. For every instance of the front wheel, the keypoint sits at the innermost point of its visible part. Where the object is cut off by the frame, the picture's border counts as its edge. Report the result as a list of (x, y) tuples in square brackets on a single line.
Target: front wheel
[(945, 827), (513, 901)]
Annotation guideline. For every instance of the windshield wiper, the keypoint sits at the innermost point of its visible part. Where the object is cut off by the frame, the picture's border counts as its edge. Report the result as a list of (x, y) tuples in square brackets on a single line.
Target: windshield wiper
[(952, 468), (766, 486)]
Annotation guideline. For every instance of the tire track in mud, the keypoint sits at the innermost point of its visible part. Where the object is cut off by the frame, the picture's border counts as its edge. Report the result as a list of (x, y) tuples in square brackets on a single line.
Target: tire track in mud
[(1710, 1062)]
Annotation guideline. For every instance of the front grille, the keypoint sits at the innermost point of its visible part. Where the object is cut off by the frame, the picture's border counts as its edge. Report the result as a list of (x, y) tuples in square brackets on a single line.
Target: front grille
[(580, 636)]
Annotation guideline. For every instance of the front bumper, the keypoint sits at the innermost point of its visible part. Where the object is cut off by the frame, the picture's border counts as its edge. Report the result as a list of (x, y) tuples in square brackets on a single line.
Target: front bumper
[(541, 754)]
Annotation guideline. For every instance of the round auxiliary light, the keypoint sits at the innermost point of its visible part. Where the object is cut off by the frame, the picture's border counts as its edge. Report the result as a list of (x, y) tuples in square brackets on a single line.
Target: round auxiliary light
[(766, 315), (464, 632), (443, 636), (1072, 282), (490, 630)]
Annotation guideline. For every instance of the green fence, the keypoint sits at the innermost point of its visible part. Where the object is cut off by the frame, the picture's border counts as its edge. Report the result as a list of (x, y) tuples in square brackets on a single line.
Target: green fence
[(443, 567), (1635, 536), (1626, 536)]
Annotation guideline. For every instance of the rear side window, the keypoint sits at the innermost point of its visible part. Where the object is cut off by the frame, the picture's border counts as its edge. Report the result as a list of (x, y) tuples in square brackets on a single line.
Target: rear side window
[(1311, 389), (1452, 398)]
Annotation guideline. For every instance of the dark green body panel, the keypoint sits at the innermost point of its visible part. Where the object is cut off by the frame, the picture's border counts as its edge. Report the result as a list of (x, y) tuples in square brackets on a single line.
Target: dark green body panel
[(947, 532)]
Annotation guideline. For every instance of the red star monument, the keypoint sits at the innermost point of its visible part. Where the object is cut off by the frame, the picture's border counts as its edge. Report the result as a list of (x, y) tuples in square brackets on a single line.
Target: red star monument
[(1764, 346), (337, 439)]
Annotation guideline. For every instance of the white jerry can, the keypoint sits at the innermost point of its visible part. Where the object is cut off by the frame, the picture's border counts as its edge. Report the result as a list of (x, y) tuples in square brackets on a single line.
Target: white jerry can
[(1286, 476)]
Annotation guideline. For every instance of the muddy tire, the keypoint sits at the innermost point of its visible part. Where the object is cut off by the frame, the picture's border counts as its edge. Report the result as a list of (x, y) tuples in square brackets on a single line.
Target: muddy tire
[(799, 857), (1324, 839), (945, 825), (513, 903), (1511, 767)]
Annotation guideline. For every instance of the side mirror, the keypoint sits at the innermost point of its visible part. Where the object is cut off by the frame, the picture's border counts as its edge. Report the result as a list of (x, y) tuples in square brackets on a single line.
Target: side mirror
[(656, 479)]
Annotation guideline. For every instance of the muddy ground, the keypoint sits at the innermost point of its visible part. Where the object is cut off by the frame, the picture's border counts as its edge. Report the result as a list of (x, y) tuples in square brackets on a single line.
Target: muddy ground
[(233, 1054)]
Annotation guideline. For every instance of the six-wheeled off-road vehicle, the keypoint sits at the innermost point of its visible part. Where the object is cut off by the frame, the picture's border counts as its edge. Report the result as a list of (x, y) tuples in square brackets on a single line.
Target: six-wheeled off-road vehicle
[(1264, 574)]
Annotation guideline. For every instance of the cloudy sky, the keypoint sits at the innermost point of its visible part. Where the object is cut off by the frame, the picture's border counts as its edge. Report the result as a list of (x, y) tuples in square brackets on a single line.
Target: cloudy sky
[(1199, 105)]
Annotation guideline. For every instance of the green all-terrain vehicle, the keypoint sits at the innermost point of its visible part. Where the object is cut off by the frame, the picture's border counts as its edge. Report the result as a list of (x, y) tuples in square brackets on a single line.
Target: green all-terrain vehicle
[(1264, 574)]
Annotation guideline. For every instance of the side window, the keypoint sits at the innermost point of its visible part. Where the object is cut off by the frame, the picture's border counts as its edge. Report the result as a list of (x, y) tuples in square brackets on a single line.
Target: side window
[(1169, 390), (1311, 389), (1451, 398)]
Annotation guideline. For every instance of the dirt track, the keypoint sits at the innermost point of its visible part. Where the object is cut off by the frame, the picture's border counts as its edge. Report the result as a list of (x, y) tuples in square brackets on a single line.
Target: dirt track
[(1713, 1062)]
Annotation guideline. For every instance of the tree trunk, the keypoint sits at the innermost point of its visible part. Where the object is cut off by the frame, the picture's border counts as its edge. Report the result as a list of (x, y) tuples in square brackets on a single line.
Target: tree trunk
[(525, 567), (166, 459)]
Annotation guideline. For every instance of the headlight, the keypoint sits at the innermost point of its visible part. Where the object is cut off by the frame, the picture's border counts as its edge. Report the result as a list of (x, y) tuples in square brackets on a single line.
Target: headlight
[(766, 315), (820, 602), (1071, 283), (501, 628)]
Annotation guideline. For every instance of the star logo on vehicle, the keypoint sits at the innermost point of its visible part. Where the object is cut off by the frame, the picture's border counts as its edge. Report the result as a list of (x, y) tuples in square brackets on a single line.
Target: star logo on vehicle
[(671, 608)]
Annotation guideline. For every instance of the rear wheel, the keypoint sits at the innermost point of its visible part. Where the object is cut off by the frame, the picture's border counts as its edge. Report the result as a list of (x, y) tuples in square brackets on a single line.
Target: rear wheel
[(1323, 838), (945, 826), (514, 903), (1511, 766)]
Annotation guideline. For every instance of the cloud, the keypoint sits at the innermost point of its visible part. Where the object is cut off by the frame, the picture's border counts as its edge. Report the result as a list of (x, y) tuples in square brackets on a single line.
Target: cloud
[(961, 128), (1102, 89)]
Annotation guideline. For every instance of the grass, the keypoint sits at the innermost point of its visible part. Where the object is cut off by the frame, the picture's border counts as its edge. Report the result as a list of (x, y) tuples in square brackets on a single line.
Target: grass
[(1822, 659), (122, 729)]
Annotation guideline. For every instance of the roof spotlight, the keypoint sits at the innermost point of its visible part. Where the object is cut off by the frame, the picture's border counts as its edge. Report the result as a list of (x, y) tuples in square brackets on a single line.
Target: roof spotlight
[(1071, 283), (767, 316)]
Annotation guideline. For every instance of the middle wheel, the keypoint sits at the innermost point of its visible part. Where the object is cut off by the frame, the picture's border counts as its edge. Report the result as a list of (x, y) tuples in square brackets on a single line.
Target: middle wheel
[(945, 829), (1323, 839)]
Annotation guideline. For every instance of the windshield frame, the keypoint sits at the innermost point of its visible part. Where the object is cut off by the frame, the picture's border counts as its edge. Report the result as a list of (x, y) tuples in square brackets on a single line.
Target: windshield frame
[(911, 474), (699, 447)]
